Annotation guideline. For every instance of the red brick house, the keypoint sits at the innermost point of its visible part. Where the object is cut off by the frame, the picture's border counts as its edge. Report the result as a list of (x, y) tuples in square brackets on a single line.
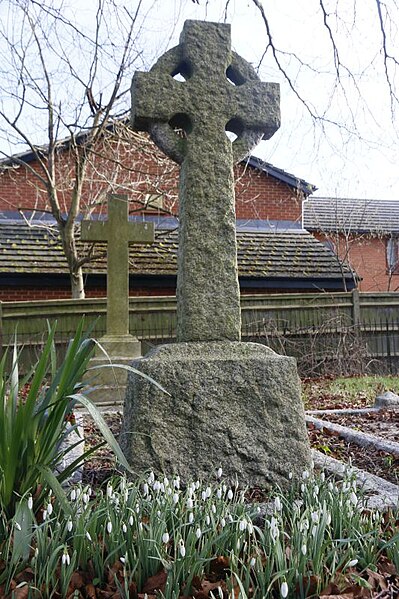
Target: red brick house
[(363, 233), (275, 253)]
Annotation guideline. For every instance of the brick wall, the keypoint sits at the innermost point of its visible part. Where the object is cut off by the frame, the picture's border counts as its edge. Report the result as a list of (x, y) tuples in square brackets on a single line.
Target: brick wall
[(367, 256), (137, 167)]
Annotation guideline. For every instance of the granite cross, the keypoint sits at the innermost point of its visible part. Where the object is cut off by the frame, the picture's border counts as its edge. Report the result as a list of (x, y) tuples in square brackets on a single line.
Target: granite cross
[(218, 91), (118, 232)]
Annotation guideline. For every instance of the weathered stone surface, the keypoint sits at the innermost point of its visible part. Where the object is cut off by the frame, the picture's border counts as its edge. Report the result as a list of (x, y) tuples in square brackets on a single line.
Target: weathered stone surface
[(221, 92), (235, 405), (387, 400)]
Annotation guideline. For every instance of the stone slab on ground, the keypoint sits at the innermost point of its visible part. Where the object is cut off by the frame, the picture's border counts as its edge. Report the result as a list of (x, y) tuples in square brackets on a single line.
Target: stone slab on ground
[(234, 405), (387, 400), (74, 437)]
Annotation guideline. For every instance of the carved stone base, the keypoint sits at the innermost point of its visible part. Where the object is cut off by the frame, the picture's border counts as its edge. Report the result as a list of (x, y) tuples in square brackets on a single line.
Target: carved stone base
[(234, 405)]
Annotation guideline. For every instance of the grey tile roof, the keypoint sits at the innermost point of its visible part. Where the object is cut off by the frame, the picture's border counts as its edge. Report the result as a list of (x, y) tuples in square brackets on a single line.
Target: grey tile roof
[(351, 215), (290, 254)]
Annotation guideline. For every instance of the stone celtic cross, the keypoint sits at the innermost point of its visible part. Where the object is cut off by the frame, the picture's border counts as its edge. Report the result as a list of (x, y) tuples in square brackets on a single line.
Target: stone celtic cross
[(118, 232), (188, 120)]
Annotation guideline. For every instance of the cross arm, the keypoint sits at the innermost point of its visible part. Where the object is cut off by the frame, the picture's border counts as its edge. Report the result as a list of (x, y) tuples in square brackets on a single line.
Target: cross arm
[(141, 232), (257, 105), (94, 230)]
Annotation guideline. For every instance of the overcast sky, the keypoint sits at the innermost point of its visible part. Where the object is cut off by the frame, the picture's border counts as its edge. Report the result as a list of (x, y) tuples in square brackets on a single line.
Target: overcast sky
[(352, 148)]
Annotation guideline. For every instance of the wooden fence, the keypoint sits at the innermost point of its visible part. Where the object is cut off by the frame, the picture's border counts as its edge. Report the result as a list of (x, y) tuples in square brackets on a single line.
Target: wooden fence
[(350, 330)]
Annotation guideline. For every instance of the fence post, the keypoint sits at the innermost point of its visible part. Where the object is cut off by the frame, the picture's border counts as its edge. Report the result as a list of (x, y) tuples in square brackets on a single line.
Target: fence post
[(355, 307)]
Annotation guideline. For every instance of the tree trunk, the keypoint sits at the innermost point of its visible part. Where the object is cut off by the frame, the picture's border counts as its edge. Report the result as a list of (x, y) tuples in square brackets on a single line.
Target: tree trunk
[(77, 285)]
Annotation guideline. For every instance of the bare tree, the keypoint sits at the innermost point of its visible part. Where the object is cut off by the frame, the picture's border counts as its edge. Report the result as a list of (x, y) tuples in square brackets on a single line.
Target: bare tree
[(64, 80)]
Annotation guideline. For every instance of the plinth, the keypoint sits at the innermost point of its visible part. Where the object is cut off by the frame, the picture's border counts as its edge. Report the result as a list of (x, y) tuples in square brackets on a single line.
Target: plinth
[(231, 404)]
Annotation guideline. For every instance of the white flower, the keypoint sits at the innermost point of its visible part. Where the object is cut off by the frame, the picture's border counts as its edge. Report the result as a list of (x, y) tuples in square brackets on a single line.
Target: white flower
[(203, 495), (69, 525), (197, 484), (109, 527), (165, 538), (305, 475), (66, 560), (88, 536), (330, 486), (252, 562), (352, 563), (156, 486), (140, 526), (110, 490), (224, 488), (230, 494), (250, 528), (131, 520), (190, 503), (303, 488), (219, 472), (162, 487), (85, 498), (230, 518), (315, 517), (290, 475), (277, 504), (151, 478), (353, 498), (44, 516), (176, 482), (314, 531), (122, 559), (213, 508), (222, 522), (73, 495), (145, 489), (242, 525), (124, 528), (219, 493), (175, 498), (166, 482), (30, 502), (207, 520), (304, 549), (284, 589), (18, 526), (182, 549), (198, 533), (208, 492), (322, 477), (190, 518)]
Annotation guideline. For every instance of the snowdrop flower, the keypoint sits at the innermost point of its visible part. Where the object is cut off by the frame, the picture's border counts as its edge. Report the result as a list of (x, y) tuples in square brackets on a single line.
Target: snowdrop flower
[(229, 494), (222, 522), (304, 549), (131, 520), (109, 527), (124, 528), (198, 533), (224, 488), (159, 513), (242, 525), (165, 538), (250, 527), (213, 508), (140, 526), (315, 517), (304, 525), (166, 482), (17, 526), (137, 508), (122, 559), (175, 498), (328, 518), (277, 504), (30, 502), (65, 560), (190, 503), (314, 531), (252, 562), (303, 488), (73, 495), (169, 491), (297, 504), (219, 473), (284, 590), (162, 487), (305, 476), (352, 563), (203, 495), (315, 491), (85, 498), (330, 486), (219, 493), (322, 477), (182, 549), (197, 484), (208, 492), (230, 518), (353, 498), (151, 478), (110, 491), (207, 520), (156, 486), (290, 475), (190, 518), (44, 515), (176, 482), (69, 525), (88, 536), (145, 489)]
